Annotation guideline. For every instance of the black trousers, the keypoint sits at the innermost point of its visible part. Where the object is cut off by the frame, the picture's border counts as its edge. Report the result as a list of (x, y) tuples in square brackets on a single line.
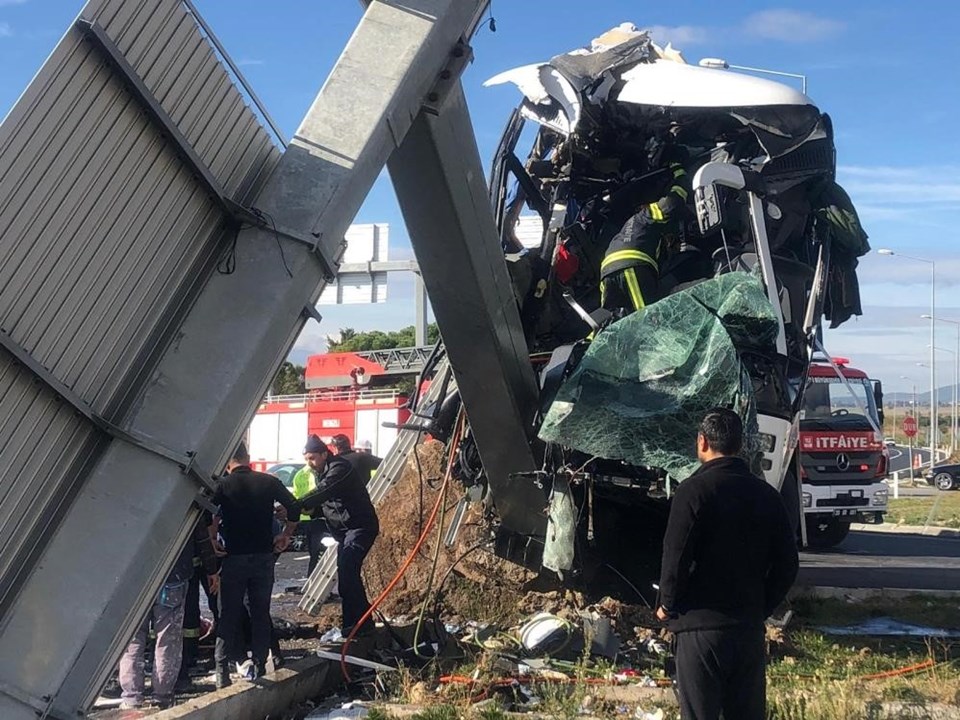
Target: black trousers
[(722, 671), (353, 548), (315, 530), (191, 625), (250, 576)]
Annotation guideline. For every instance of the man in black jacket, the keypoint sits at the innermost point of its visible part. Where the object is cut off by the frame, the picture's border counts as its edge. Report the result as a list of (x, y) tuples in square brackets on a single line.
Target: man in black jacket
[(246, 499), (341, 497), (729, 558), (365, 463)]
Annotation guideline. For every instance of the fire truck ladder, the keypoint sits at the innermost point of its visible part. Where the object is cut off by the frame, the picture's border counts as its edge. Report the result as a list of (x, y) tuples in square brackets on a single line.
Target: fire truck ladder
[(399, 361), (321, 582)]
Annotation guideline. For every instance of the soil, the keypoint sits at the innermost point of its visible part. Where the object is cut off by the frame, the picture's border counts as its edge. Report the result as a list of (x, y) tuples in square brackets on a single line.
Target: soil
[(481, 586)]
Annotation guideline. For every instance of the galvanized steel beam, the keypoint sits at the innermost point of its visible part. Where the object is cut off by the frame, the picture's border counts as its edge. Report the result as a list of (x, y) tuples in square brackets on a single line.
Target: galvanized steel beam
[(439, 181)]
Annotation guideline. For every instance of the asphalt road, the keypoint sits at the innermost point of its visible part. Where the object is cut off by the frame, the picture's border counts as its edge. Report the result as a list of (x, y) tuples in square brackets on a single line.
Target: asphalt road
[(900, 457), (888, 560)]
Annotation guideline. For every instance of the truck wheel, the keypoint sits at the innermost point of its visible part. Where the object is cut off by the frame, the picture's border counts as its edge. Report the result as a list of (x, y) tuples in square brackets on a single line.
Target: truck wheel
[(943, 481), (826, 532)]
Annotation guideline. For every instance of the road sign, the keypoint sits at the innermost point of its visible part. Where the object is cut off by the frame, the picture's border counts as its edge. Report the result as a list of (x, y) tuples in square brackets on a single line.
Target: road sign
[(909, 426)]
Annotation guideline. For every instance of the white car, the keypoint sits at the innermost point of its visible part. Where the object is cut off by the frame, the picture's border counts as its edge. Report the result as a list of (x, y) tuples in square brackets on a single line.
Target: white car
[(889, 442)]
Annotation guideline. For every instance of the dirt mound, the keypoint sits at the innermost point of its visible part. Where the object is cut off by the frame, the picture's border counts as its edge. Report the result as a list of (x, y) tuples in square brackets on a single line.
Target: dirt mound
[(481, 587)]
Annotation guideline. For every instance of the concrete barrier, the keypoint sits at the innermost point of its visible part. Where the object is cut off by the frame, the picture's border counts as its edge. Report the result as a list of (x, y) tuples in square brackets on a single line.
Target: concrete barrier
[(299, 680)]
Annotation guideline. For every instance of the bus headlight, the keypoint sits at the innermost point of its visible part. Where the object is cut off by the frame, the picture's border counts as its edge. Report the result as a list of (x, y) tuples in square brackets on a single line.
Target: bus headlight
[(768, 442), (880, 497), (807, 499)]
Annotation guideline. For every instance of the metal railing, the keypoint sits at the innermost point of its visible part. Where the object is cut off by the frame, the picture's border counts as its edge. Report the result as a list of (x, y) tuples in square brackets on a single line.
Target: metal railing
[(335, 394)]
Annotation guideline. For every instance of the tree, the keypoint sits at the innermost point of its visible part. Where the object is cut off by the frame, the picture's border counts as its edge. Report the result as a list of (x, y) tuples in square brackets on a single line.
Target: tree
[(352, 341), (289, 380)]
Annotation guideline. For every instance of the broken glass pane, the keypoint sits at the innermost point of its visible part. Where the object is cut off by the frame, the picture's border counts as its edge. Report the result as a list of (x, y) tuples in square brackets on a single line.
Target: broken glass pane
[(646, 381)]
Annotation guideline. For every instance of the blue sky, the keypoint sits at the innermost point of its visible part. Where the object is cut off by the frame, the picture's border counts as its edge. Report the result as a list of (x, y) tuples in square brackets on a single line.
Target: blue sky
[(886, 71)]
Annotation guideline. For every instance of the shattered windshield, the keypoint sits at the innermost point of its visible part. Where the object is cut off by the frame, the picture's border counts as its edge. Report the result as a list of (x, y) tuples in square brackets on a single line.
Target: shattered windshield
[(645, 383)]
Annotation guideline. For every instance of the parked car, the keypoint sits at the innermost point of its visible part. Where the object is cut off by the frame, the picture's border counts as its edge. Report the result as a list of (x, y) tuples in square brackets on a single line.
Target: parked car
[(944, 477), (889, 442), (285, 471)]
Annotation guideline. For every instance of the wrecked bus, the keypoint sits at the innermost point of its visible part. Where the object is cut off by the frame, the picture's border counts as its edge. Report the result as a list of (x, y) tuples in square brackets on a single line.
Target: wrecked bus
[(765, 247)]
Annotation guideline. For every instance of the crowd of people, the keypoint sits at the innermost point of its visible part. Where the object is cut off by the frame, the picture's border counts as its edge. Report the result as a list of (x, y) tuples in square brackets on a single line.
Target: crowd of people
[(729, 558), (232, 553)]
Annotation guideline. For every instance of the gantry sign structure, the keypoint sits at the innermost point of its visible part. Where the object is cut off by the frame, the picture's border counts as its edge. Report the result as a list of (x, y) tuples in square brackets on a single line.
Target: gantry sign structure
[(145, 305)]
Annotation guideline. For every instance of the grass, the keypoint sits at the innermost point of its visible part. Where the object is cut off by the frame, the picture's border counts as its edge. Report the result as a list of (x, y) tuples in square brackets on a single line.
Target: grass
[(814, 676), (916, 609), (940, 510)]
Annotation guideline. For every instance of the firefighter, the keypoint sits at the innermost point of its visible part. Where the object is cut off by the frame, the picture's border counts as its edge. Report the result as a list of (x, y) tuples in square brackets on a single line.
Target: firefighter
[(630, 271), (341, 497)]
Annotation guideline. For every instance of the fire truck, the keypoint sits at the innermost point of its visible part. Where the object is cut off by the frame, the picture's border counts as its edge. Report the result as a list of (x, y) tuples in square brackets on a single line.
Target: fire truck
[(348, 393), (843, 459)]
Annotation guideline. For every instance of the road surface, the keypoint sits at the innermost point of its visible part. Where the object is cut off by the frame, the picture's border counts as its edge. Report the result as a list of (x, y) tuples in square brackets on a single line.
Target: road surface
[(900, 457), (888, 560)]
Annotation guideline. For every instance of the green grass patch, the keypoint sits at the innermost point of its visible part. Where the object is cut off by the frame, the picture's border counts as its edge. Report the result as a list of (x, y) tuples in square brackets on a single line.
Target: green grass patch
[(941, 612), (940, 510)]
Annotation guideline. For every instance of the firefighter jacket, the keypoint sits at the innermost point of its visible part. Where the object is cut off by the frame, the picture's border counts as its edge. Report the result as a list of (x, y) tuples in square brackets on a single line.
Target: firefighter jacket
[(341, 496), (639, 241)]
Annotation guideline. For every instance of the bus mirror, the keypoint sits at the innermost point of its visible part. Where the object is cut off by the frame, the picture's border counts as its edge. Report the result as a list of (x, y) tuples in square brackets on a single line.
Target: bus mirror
[(878, 399)]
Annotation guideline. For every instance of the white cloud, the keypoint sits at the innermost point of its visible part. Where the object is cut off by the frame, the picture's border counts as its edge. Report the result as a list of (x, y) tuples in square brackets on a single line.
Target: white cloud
[(245, 62), (5, 30), (790, 26), (680, 36), (12, 2)]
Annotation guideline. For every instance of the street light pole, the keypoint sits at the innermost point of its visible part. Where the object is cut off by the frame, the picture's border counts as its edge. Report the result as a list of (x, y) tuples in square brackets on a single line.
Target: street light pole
[(956, 383), (934, 429), (954, 353), (721, 64)]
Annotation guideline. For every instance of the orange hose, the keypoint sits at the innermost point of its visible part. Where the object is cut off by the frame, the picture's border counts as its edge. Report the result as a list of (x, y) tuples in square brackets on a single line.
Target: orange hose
[(900, 671), (413, 553)]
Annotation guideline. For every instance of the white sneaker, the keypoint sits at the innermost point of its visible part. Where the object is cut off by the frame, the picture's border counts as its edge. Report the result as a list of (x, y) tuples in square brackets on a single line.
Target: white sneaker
[(246, 670)]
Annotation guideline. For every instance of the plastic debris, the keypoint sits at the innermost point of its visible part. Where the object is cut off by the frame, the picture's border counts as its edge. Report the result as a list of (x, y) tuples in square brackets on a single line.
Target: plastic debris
[(333, 635), (643, 715), (545, 634), (348, 711)]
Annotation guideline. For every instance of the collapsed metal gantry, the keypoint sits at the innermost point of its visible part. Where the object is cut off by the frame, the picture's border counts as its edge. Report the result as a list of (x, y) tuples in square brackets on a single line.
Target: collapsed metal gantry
[(97, 543)]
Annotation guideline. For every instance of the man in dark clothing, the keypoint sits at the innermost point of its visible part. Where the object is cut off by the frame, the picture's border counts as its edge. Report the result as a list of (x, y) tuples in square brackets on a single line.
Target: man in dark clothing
[(729, 558), (341, 497), (365, 463), (246, 500)]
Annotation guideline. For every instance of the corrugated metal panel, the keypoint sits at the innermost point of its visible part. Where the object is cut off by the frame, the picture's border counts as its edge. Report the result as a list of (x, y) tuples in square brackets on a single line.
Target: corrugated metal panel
[(102, 228)]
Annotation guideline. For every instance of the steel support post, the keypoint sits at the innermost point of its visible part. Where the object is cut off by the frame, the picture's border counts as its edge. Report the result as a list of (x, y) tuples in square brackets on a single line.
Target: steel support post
[(103, 565), (440, 184), (420, 301)]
